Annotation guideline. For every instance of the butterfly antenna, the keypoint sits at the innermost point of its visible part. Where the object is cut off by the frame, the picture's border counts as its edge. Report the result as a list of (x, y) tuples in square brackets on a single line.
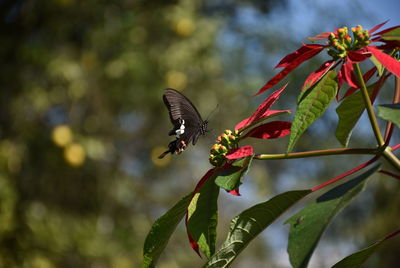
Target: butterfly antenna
[(212, 112)]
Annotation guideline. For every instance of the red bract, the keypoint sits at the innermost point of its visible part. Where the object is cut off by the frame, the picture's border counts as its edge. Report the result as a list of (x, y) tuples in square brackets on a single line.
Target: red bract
[(268, 113), (387, 30), (301, 55), (374, 29), (235, 192), (240, 152), (271, 130), (346, 74), (301, 52), (358, 56), (320, 36), (390, 63), (318, 74), (262, 110), (206, 176), (345, 50)]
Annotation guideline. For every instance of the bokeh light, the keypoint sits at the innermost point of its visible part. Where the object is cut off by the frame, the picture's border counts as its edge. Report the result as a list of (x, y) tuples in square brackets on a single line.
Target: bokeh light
[(156, 152), (62, 135), (75, 154), (175, 79), (185, 27)]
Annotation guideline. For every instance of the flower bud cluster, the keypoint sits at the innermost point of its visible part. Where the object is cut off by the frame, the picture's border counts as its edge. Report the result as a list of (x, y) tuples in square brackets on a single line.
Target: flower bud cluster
[(341, 42), (225, 142), (361, 36)]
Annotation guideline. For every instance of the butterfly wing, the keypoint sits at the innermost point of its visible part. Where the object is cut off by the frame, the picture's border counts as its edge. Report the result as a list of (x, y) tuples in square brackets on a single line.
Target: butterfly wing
[(179, 108)]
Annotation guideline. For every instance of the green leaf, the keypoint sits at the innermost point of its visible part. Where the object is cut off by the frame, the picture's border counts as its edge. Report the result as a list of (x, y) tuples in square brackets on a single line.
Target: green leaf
[(378, 65), (229, 178), (358, 258), (392, 35), (390, 112), (312, 105), (251, 222), (349, 112), (162, 229), (203, 217), (307, 226)]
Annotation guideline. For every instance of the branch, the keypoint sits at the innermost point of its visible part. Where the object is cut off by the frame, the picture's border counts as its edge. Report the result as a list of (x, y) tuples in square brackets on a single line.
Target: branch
[(319, 153), (368, 105)]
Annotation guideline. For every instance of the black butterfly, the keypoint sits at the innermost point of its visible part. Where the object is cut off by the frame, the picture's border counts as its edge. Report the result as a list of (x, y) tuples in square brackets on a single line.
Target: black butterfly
[(188, 124)]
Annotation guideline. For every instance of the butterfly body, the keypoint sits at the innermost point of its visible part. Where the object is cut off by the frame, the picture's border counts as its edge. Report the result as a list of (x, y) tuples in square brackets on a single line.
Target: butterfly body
[(187, 123)]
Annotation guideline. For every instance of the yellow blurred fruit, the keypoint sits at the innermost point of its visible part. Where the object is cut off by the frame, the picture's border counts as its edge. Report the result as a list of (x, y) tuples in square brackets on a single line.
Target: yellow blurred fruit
[(75, 154), (185, 27), (62, 135), (176, 79)]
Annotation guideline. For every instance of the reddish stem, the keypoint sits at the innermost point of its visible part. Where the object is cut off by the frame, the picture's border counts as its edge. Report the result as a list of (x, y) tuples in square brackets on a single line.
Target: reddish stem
[(394, 148), (369, 162), (396, 176), (392, 234)]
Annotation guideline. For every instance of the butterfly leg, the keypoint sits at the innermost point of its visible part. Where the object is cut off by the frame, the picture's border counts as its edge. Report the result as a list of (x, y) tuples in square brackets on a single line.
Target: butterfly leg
[(172, 148), (181, 147)]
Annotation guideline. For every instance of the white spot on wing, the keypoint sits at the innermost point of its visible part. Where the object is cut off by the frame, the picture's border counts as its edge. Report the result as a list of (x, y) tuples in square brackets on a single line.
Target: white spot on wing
[(181, 129)]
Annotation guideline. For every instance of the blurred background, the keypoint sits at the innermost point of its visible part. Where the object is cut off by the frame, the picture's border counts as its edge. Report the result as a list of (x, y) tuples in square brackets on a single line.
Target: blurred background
[(82, 122)]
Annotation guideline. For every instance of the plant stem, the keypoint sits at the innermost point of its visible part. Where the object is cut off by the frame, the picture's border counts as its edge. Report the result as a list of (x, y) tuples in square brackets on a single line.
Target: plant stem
[(329, 182), (319, 153), (389, 155), (368, 105), (396, 99)]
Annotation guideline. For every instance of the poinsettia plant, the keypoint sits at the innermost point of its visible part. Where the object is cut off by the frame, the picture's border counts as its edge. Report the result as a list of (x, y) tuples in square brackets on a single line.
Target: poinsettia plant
[(231, 157)]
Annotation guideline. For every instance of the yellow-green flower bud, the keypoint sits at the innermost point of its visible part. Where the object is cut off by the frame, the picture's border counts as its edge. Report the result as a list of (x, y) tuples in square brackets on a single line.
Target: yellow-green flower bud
[(222, 149), (217, 160), (215, 148), (342, 32), (347, 40), (341, 48), (228, 132)]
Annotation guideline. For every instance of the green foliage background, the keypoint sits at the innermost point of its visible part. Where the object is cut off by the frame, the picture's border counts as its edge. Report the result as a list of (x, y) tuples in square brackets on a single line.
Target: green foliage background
[(85, 195)]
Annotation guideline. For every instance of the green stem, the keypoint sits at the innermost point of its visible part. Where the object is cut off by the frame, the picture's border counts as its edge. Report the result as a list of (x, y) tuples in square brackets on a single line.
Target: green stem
[(319, 153), (389, 155), (368, 105), (396, 99)]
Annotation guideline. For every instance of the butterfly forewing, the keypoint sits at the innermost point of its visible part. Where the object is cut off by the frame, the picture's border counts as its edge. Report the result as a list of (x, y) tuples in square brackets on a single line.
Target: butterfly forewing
[(181, 107), (182, 112)]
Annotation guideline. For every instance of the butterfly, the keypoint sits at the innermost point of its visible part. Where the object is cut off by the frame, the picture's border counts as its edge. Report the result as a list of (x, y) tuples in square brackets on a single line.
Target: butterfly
[(187, 123)]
